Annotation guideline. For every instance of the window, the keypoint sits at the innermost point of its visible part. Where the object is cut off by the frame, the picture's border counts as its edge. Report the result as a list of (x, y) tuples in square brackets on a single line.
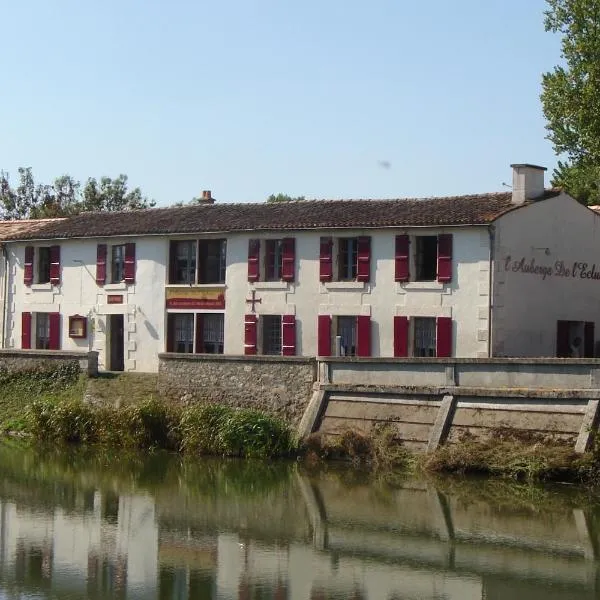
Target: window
[(192, 261), (184, 262), (274, 260), (347, 259), (278, 262), (183, 332), (346, 331), (117, 264), (212, 261), (43, 264), (212, 333), (277, 335), (42, 331), (344, 335), (424, 337), (195, 332), (426, 257), (271, 334)]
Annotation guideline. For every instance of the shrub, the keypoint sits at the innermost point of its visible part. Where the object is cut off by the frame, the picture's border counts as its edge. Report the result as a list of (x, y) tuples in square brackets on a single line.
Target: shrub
[(200, 427), (254, 434), (71, 422)]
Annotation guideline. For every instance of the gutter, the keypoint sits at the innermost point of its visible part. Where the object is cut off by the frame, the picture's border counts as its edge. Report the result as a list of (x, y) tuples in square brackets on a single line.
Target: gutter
[(5, 296)]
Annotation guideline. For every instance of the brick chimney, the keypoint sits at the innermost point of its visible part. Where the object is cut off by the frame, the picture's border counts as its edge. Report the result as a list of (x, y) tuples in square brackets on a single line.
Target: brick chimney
[(207, 197), (528, 182)]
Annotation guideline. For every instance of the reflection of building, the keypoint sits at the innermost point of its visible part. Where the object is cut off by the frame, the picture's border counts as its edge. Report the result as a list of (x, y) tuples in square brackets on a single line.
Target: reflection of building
[(437, 277), (343, 542), (104, 549)]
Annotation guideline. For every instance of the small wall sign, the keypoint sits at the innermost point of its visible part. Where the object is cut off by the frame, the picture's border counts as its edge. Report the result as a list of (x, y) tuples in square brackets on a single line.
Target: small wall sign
[(77, 326), (114, 299)]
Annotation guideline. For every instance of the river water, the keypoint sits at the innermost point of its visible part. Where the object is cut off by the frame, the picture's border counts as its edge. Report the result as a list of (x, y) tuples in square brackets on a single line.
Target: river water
[(76, 526)]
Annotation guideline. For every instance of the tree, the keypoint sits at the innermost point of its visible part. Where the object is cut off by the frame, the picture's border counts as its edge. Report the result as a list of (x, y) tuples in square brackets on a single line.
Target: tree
[(111, 195), (284, 198), (571, 97), (64, 197)]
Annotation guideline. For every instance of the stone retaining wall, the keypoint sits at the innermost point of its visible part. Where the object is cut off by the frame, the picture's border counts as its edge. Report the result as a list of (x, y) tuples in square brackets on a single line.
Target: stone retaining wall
[(29, 360), (276, 384)]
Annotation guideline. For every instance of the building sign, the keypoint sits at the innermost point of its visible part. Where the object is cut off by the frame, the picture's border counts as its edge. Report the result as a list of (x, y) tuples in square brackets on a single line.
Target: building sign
[(560, 268), (114, 299), (195, 298)]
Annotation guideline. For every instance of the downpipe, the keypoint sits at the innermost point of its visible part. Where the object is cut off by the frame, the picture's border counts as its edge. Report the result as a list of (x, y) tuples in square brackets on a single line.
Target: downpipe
[(4, 296)]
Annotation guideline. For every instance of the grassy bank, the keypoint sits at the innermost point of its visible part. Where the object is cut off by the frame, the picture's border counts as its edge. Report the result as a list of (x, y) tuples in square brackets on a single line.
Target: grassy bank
[(48, 405), (506, 458)]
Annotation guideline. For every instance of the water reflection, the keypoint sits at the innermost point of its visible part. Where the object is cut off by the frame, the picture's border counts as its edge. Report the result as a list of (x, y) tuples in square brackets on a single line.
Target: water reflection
[(96, 527)]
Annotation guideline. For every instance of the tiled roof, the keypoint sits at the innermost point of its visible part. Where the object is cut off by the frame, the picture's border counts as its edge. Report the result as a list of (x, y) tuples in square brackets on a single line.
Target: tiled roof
[(307, 214), (25, 228)]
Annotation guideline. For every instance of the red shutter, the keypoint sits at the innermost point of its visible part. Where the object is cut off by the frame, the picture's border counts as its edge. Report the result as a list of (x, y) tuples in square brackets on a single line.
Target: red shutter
[(400, 336), (55, 265), (363, 269), (130, 263), (199, 333), (326, 260), (101, 252), (402, 258), (588, 339), (253, 260), (54, 319), (26, 331), (443, 339), (288, 335), (324, 335), (250, 334), (444, 261), (363, 335), (28, 270), (288, 261)]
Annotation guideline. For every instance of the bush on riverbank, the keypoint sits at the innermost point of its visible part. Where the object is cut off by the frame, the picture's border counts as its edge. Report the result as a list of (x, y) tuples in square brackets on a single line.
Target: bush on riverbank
[(156, 424), (381, 449)]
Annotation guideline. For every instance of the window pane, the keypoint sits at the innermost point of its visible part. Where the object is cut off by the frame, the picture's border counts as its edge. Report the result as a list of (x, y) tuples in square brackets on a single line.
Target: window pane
[(43, 265), (424, 336), (426, 258), (271, 334), (184, 333), (117, 265), (212, 261), (273, 260), (346, 329), (347, 259), (184, 266), (213, 333), (42, 331)]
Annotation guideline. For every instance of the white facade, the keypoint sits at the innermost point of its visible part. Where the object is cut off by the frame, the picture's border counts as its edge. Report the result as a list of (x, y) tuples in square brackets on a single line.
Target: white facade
[(534, 258), (143, 303), (546, 269)]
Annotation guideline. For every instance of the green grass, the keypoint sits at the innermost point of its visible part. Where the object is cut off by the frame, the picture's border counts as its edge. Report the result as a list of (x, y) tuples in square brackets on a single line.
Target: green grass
[(123, 388), (50, 384)]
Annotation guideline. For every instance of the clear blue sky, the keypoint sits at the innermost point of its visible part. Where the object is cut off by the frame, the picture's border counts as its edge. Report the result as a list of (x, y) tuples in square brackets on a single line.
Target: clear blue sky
[(253, 97)]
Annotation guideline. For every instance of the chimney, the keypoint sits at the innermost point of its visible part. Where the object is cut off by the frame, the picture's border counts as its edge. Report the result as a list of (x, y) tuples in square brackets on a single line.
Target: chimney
[(528, 183), (207, 197)]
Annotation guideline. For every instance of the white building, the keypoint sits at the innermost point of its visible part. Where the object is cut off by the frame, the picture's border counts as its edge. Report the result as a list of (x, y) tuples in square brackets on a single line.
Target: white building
[(501, 274)]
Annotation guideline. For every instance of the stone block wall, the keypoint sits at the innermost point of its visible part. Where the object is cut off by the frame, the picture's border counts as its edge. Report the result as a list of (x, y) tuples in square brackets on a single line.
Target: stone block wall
[(279, 385), (30, 360)]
